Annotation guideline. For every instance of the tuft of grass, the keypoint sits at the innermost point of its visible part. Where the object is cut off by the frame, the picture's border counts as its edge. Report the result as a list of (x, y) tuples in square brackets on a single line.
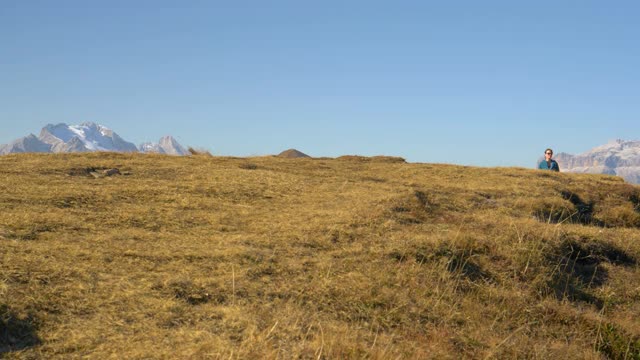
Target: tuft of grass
[(248, 166), (624, 215), (617, 344)]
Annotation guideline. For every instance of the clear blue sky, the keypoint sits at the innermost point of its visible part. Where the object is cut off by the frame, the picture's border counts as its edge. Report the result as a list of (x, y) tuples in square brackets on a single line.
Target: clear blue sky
[(489, 83)]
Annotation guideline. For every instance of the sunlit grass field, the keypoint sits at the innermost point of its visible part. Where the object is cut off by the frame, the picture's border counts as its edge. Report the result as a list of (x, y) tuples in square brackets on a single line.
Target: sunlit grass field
[(244, 258)]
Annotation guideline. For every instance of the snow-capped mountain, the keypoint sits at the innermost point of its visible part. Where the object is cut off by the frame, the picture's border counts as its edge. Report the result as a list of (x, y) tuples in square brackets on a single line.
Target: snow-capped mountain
[(88, 136), (167, 145), (25, 144), (618, 157)]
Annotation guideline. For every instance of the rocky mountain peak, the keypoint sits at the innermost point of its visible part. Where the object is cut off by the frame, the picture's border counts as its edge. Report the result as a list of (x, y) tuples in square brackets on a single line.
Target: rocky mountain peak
[(166, 145), (617, 157), (87, 136)]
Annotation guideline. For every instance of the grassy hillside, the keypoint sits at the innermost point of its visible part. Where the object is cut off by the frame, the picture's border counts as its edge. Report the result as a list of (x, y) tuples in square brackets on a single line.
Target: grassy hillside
[(206, 257)]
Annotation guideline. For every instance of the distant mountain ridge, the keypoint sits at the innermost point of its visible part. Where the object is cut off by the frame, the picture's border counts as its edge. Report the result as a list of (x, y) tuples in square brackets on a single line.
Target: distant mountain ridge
[(618, 157), (167, 145), (86, 137)]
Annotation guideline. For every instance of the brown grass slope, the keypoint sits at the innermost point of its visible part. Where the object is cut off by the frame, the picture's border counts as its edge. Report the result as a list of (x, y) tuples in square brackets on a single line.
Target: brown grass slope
[(207, 257)]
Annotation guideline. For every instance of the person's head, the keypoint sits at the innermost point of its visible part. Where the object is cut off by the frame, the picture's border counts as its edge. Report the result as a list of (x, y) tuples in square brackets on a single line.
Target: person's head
[(548, 154)]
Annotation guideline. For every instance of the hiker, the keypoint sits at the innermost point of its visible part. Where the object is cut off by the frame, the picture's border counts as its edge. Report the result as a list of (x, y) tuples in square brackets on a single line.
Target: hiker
[(548, 163)]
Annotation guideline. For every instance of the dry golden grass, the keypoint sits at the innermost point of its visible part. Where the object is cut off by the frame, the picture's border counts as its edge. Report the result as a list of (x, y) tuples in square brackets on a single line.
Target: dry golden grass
[(209, 257)]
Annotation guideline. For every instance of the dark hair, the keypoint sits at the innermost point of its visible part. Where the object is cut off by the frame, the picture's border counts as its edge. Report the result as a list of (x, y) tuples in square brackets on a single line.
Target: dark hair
[(548, 150)]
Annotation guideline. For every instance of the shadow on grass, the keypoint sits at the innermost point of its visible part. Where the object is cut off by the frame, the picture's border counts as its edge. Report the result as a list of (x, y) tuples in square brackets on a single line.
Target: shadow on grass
[(580, 268), (580, 213), (459, 261), (635, 200), (584, 210), (16, 333)]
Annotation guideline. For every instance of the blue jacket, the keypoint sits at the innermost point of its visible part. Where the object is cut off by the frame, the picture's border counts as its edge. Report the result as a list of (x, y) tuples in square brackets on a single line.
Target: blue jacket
[(553, 167)]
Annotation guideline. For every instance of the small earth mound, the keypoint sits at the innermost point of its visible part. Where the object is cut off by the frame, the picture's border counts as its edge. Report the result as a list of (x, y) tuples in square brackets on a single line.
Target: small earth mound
[(293, 154)]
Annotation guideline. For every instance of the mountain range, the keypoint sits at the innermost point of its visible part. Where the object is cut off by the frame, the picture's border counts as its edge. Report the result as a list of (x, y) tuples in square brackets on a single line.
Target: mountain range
[(86, 137), (618, 157)]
